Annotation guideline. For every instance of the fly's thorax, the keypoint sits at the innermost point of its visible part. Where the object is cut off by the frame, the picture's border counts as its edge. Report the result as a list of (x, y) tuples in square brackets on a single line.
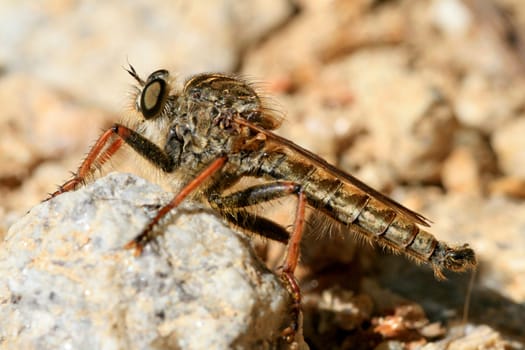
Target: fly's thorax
[(234, 96), (197, 124), (223, 91), (199, 132)]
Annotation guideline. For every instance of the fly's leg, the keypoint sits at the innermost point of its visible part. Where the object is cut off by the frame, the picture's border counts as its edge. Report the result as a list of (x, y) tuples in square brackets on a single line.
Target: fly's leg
[(94, 159), (150, 151), (101, 153), (259, 225), (292, 258), (254, 195), (229, 205), (263, 193), (147, 234)]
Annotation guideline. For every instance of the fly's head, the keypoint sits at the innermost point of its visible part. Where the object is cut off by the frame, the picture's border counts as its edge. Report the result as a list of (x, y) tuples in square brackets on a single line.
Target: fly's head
[(152, 93), (153, 103), (200, 120)]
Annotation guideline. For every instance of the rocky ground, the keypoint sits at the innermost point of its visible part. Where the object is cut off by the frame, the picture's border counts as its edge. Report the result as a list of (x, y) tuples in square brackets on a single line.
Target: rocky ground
[(424, 100)]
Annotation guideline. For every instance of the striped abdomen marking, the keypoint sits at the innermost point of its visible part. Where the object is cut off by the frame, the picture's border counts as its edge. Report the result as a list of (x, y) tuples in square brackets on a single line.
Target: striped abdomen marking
[(363, 213), (379, 223)]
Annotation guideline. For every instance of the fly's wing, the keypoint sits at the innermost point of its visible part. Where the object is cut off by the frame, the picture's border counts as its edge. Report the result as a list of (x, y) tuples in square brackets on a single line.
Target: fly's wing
[(297, 150), (345, 177)]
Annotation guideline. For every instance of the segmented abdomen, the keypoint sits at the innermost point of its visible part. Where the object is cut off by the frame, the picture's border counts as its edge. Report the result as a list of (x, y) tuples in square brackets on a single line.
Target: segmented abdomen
[(353, 207)]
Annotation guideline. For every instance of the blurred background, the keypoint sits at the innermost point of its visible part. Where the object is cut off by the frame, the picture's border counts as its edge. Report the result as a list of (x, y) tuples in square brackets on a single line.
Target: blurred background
[(424, 100)]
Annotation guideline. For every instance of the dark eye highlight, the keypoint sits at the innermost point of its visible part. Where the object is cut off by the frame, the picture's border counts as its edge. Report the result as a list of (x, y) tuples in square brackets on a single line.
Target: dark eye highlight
[(154, 93)]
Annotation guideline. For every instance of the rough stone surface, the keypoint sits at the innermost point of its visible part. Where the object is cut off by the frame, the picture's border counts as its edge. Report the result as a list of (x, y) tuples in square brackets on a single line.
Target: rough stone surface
[(68, 283), (471, 337)]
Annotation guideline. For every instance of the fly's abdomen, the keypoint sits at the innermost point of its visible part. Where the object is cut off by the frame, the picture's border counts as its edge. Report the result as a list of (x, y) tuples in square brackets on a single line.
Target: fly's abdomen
[(378, 222), (392, 230), (366, 215), (374, 220)]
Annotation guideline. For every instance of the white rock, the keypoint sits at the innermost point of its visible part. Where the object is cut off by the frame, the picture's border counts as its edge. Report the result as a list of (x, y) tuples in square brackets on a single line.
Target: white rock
[(68, 283), (451, 16)]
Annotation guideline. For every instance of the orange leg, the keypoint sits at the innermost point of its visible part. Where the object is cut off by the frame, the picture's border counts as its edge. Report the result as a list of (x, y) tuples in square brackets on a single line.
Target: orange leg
[(93, 159), (292, 258), (99, 154), (146, 235), (263, 193)]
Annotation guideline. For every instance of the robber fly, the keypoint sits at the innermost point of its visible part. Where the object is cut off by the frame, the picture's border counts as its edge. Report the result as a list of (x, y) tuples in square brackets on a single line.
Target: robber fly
[(215, 131)]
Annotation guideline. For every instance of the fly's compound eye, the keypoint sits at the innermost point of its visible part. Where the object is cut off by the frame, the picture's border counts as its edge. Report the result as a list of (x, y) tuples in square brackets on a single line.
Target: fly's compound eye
[(154, 93)]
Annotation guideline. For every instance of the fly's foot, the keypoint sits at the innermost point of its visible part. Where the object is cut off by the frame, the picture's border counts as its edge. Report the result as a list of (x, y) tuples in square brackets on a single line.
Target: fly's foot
[(139, 242), (143, 239), (289, 332), (295, 310), (135, 245), (69, 185)]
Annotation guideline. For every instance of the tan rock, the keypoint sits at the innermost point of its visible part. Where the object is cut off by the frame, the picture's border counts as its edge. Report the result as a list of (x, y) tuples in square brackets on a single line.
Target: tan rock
[(461, 172), (39, 123), (410, 125), (485, 103), (494, 228), (334, 28), (509, 186), (509, 145)]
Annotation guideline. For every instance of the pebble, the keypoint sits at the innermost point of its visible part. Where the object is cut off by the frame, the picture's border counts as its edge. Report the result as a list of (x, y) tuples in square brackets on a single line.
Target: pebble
[(509, 146)]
